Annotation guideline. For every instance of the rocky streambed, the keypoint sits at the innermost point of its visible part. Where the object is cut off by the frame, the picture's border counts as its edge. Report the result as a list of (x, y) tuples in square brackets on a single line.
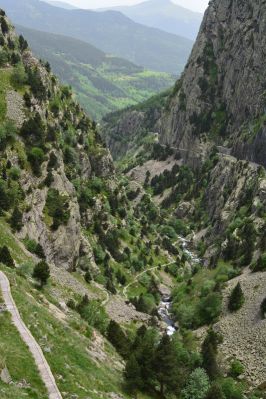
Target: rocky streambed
[(164, 308)]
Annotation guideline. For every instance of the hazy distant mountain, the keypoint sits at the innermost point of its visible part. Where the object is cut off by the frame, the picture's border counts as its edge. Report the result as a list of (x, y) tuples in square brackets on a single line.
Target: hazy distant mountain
[(60, 4), (102, 83), (165, 15), (110, 31)]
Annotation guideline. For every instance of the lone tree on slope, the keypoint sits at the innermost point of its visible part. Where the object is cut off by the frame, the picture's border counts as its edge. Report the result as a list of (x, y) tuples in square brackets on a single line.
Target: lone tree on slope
[(41, 273), (236, 298)]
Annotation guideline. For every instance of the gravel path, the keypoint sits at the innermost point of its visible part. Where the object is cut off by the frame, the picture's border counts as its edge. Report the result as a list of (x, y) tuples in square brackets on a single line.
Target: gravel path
[(43, 367)]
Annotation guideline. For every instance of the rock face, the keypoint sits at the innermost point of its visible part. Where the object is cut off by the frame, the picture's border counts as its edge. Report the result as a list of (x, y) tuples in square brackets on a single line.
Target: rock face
[(220, 98), (223, 85)]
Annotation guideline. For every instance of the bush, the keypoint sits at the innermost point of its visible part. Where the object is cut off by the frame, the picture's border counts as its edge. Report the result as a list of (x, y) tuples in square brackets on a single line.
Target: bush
[(209, 308), (57, 207), (33, 130), (260, 265), (8, 131), (18, 76), (35, 248), (93, 313), (5, 257), (3, 58), (231, 389), (236, 369), (41, 273), (236, 299), (36, 158)]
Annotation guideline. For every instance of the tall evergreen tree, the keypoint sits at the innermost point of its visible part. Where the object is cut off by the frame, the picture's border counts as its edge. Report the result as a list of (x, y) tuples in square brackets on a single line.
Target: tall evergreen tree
[(41, 273), (16, 219), (236, 299), (209, 354), (5, 257), (165, 364), (118, 338), (133, 375)]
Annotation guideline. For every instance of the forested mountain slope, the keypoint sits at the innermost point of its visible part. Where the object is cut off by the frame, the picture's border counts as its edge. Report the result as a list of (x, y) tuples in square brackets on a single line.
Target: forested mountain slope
[(206, 141), (147, 283), (102, 83)]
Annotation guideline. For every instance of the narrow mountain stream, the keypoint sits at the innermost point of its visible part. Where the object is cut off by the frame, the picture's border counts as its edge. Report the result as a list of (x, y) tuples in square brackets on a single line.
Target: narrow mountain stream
[(164, 308)]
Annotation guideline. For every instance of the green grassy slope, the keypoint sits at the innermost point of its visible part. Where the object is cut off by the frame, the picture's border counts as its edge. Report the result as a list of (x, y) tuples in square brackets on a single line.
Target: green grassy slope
[(102, 83)]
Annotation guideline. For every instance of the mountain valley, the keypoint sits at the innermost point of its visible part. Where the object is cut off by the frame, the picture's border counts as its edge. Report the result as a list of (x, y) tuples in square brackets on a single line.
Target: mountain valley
[(135, 248)]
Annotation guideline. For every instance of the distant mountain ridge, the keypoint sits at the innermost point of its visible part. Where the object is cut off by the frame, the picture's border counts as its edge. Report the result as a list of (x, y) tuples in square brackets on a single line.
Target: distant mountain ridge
[(60, 4), (110, 31), (164, 15)]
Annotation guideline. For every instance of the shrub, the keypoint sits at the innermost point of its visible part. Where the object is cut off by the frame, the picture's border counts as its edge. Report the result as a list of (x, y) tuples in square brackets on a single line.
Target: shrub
[(57, 207), (93, 313), (236, 299), (231, 389), (7, 133), (14, 173), (18, 76), (35, 248), (36, 157), (260, 265), (209, 308), (3, 58), (36, 84), (236, 369), (33, 130), (41, 273), (5, 257)]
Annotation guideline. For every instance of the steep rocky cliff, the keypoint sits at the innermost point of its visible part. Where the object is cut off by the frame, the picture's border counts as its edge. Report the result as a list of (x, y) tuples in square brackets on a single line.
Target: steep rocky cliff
[(218, 106), (220, 97), (53, 146)]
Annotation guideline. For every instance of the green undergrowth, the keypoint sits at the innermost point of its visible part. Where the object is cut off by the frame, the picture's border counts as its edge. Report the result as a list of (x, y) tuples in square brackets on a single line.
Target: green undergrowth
[(16, 357)]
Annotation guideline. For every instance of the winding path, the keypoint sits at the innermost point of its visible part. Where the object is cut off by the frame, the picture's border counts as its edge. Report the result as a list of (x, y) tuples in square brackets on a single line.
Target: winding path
[(145, 271), (43, 366)]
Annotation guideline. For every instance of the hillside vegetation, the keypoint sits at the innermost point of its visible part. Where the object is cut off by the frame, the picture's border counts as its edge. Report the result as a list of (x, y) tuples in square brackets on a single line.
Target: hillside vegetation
[(102, 83)]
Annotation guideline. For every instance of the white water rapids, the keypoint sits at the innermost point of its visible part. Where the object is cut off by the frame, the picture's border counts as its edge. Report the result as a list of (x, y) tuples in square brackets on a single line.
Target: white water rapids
[(164, 308)]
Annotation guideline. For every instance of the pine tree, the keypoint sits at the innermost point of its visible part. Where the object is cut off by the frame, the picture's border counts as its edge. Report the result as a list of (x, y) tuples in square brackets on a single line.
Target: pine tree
[(165, 364), (5, 257), (236, 298), (133, 375), (197, 385), (16, 220), (41, 273), (118, 338), (209, 353)]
